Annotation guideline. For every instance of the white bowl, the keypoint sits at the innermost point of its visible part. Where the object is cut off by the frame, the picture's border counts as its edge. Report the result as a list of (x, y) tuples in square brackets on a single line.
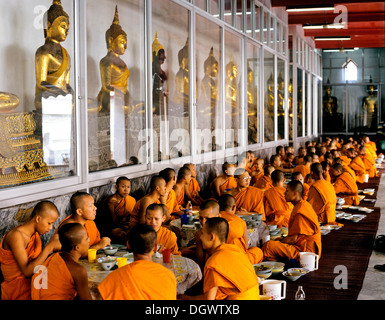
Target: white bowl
[(256, 216), (272, 227), (265, 271), (292, 276), (110, 250), (276, 267), (107, 264)]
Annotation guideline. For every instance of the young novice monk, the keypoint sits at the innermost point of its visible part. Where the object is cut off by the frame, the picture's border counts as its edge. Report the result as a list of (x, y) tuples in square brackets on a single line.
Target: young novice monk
[(142, 279), (228, 274), (166, 239), (224, 181), (21, 251), (298, 176), (119, 207), (192, 190), (264, 183), (183, 181), (65, 278), (84, 212)]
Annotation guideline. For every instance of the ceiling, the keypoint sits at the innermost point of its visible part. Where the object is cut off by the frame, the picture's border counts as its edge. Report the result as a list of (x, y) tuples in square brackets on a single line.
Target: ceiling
[(365, 22)]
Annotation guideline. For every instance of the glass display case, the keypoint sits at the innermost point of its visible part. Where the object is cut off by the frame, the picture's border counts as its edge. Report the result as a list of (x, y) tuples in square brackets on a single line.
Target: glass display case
[(281, 98), (269, 96)]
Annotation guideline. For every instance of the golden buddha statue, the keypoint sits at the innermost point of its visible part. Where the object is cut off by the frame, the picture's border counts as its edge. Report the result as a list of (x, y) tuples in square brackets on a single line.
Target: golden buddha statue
[(8, 102), (231, 81), (252, 107), (52, 61), (290, 101), (330, 106), (159, 76), (113, 70), (182, 78), (209, 85), (370, 106), (269, 110), (280, 106)]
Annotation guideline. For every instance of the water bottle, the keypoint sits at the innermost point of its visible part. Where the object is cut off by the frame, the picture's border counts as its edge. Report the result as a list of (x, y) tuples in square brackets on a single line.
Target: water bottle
[(189, 208), (300, 294)]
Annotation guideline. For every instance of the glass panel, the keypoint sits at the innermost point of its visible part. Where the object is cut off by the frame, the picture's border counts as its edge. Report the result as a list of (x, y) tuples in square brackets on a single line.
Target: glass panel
[(116, 90), (305, 103), (249, 18), (281, 98), (279, 37), (228, 13), (291, 58), (333, 106), (258, 26), (363, 108), (171, 80), (269, 96), (382, 95), (208, 110), (239, 15), (253, 72), (290, 97), (200, 4), (37, 118), (300, 117), (213, 7), (265, 27), (284, 40), (233, 95), (309, 97), (272, 31)]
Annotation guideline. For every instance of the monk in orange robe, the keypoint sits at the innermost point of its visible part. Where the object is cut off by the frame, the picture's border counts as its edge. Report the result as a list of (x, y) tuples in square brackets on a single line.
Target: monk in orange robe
[(192, 190), (258, 172), (370, 146), (157, 190), (369, 162), (228, 274), (322, 196), (276, 162), (298, 176), (84, 212), (277, 210), (169, 199), (237, 228), (119, 207), (166, 239), (357, 165), (304, 230), (299, 158), (21, 251), (344, 185), (325, 171), (65, 278), (265, 182), (345, 168), (224, 181), (248, 199), (183, 181), (142, 279), (305, 167)]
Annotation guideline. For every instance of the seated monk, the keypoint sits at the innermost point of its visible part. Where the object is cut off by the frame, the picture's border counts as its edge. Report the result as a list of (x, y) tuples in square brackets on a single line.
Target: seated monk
[(66, 278), (142, 279), (288, 161), (343, 154), (21, 251), (325, 170), (299, 158), (357, 165), (182, 182), (345, 167), (304, 230), (119, 207), (280, 152), (166, 239), (322, 196), (298, 176), (84, 212), (276, 162), (157, 190), (258, 172), (192, 190), (265, 182), (371, 146), (224, 182), (369, 162), (277, 210), (250, 165), (169, 199), (344, 185), (227, 274), (304, 168), (248, 199)]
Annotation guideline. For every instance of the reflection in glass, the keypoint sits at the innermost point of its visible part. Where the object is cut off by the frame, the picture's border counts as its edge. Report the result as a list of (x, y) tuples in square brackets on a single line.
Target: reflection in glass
[(171, 80), (208, 112), (281, 99), (269, 96), (300, 117), (370, 107), (253, 71), (332, 119), (290, 102)]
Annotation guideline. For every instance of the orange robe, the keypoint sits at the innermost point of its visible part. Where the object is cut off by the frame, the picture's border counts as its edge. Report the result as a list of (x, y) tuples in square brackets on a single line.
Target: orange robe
[(171, 202), (327, 178), (15, 285), (229, 269), (306, 188), (346, 188), (134, 218), (168, 239), (303, 223), (369, 163), (250, 199), (359, 169), (305, 170), (345, 160), (125, 207), (194, 188), (60, 284), (237, 228), (323, 199), (91, 228), (139, 280), (372, 148), (277, 210), (264, 183), (180, 198), (349, 170), (230, 183), (255, 178)]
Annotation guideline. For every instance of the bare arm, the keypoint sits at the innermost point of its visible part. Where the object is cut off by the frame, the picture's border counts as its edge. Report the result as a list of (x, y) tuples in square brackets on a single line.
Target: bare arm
[(81, 283)]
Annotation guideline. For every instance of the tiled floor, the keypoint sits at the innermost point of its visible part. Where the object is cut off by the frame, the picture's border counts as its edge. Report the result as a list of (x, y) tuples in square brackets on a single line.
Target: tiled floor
[(373, 287)]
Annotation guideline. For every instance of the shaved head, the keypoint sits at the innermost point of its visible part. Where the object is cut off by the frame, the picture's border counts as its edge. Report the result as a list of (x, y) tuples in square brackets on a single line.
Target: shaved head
[(44, 208), (210, 204), (70, 235), (277, 176), (295, 185), (226, 202), (218, 226)]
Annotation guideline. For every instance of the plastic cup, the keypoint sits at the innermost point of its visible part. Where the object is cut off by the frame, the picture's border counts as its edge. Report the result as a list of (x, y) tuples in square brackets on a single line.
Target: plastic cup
[(121, 262), (91, 255), (166, 255)]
